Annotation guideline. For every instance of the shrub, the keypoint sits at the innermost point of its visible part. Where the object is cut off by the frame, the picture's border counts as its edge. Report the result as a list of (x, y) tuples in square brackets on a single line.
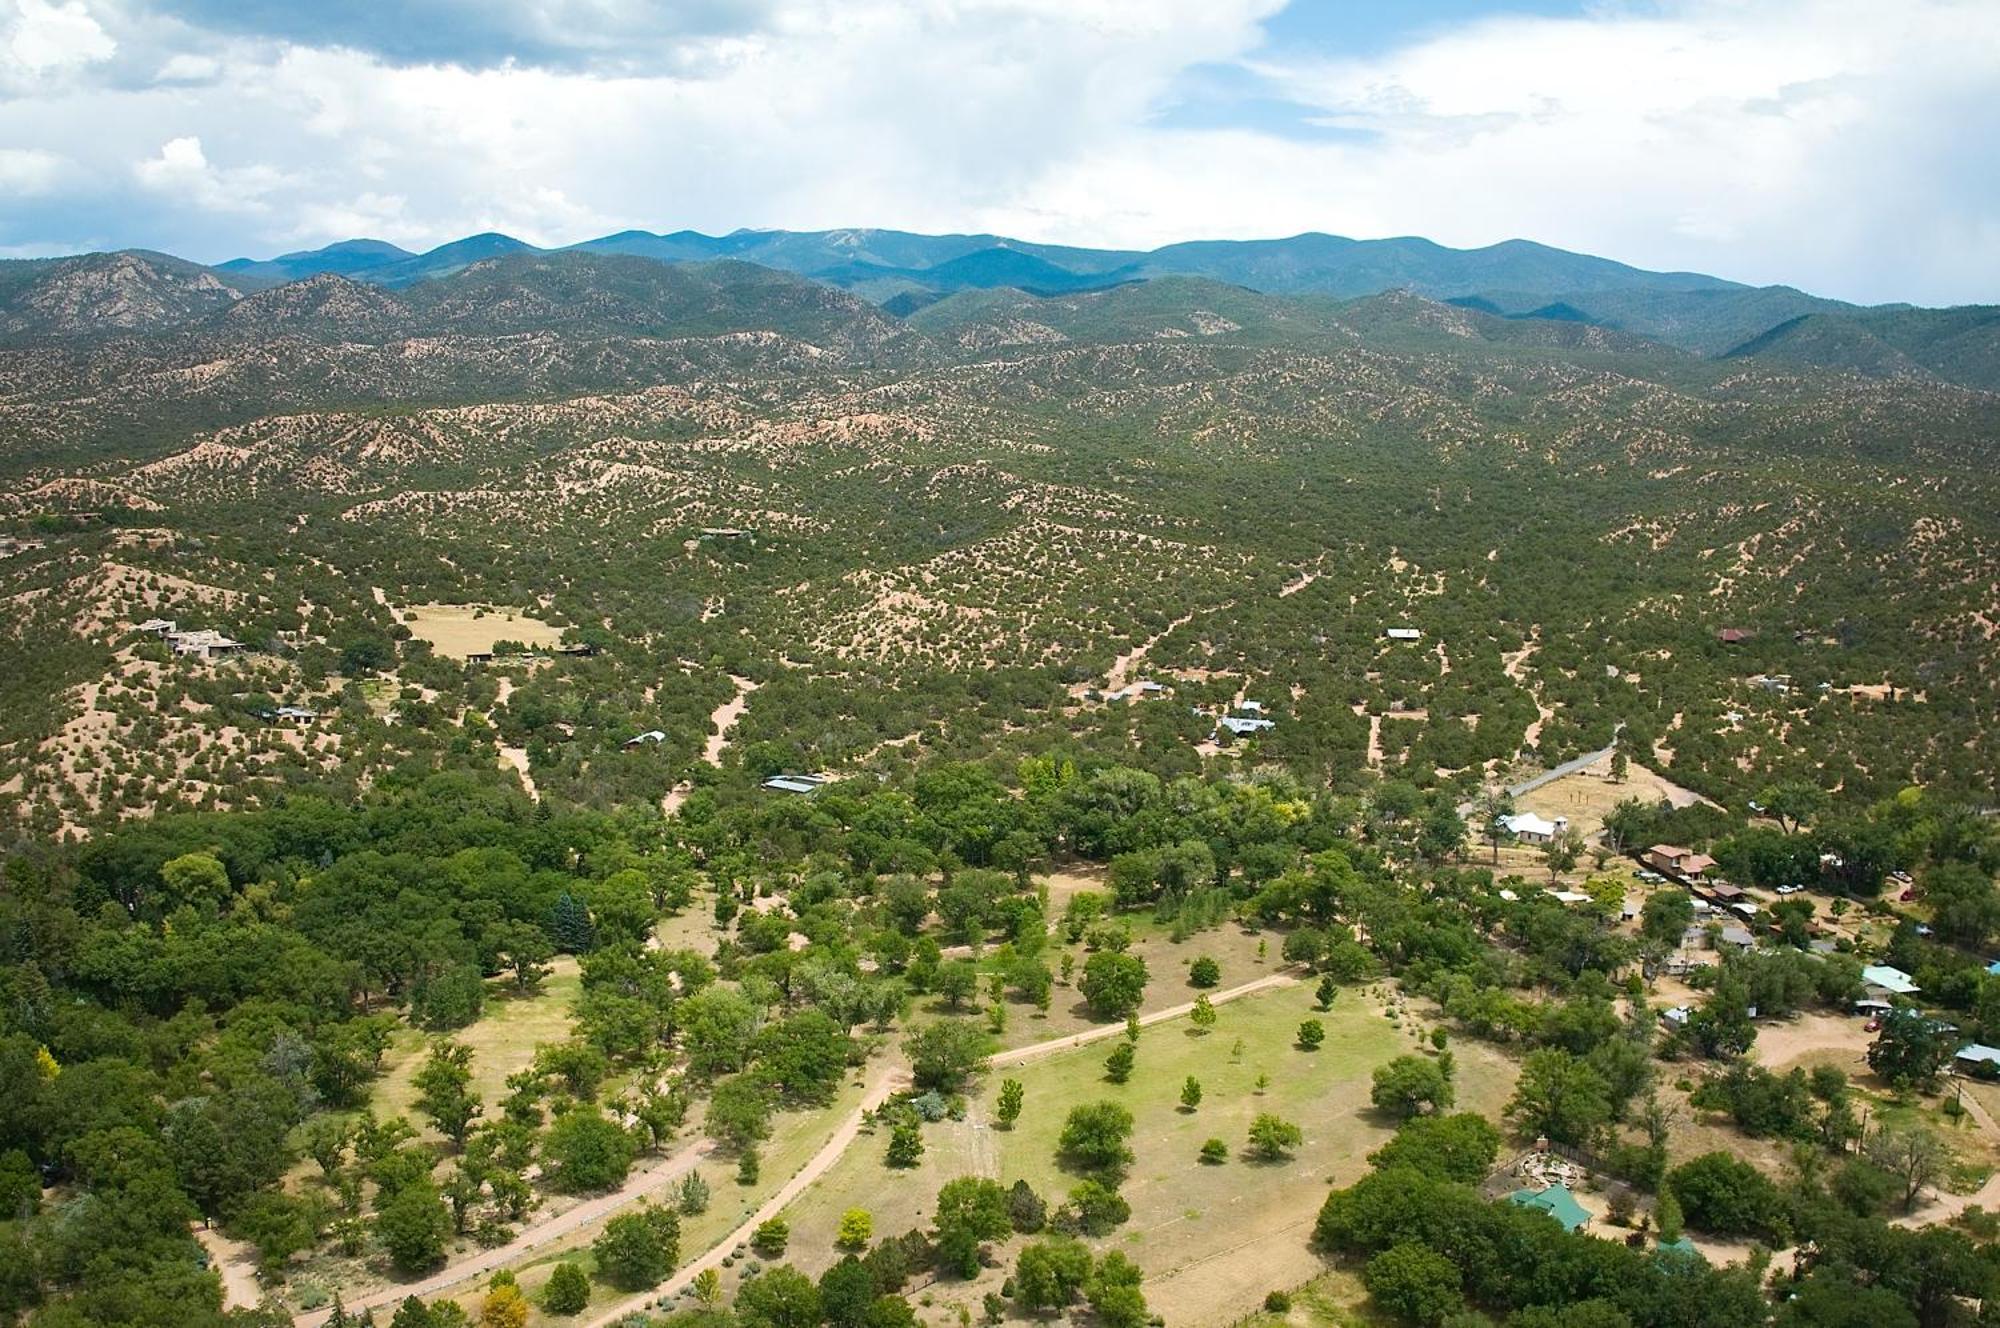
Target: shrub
[(771, 1237)]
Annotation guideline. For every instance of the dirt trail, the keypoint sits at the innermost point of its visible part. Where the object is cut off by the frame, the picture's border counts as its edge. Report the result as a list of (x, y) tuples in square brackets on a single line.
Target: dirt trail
[(638, 1186), (236, 1264), (887, 1078), (1122, 667), (517, 759), (721, 722), (1018, 1055)]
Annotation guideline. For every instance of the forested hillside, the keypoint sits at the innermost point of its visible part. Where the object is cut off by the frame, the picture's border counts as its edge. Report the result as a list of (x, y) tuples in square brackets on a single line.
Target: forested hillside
[(397, 911)]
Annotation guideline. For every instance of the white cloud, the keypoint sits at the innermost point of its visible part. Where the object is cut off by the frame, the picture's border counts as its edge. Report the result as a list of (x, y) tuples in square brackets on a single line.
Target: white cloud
[(44, 38), (182, 170), (28, 171), (1846, 147)]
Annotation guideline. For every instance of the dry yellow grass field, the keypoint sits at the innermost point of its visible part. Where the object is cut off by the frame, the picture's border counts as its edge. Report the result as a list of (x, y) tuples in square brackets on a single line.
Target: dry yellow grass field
[(458, 630)]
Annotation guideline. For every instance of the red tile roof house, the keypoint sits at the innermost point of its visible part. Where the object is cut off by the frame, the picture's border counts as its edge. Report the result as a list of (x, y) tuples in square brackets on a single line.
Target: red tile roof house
[(1733, 636)]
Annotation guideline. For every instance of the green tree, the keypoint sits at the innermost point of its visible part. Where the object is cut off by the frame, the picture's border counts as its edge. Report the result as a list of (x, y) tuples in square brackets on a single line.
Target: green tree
[(1113, 983), (1204, 972), (1190, 1093), (414, 1226), (1094, 1208), (569, 923), (444, 1090), (1911, 1049), (1050, 1274), (1667, 1218), (1094, 1138), (1559, 1097), (1410, 1085), (906, 1144), (1118, 1065), (567, 1290), (956, 981), (780, 1297), (946, 1055), (638, 1247), (1114, 1295), (1729, 1197), (194, 880), (1666, 916), (771, 1237), (584, 1151), (1457, 1148), (1324, 996), (1272, 1138), (1560, 854), (1026, 1209), (1414, 1283), (1312, 1033), (1202, 1016), (1008, 1109), (970, 1210)]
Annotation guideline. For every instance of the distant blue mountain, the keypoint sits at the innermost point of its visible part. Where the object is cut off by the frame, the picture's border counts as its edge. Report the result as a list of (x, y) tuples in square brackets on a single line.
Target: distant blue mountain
[(886, 263), (346, 259), (905, 272)]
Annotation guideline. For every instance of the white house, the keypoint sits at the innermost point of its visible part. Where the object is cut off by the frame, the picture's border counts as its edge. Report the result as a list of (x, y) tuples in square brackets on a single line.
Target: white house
[(641, 739), (1532, 829), (797, 783), (1892, 980), (1243, 724), (1404, 634)]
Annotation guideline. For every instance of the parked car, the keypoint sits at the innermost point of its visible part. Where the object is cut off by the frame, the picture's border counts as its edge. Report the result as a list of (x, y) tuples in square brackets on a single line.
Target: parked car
[(1790, 889)]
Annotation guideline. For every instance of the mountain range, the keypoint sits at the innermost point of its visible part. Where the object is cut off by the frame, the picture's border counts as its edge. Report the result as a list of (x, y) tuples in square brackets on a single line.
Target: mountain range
[(925, 279)]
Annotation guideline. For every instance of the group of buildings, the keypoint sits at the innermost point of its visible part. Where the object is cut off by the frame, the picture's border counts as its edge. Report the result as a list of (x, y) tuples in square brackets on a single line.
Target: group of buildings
[(202, 643)]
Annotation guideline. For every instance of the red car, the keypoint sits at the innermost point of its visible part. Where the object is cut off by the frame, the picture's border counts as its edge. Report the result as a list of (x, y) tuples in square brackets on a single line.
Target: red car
[(1907, 896)]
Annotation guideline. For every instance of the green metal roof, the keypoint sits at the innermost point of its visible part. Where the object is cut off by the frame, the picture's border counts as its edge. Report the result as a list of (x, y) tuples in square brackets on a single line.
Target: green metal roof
[(1557, 1202)]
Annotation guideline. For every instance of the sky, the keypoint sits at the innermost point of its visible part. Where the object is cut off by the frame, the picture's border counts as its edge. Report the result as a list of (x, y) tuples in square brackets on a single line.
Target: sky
[(1847, 147)]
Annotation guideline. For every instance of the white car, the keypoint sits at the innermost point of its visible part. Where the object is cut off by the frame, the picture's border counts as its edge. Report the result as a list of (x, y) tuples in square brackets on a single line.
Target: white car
[(1790, 889)]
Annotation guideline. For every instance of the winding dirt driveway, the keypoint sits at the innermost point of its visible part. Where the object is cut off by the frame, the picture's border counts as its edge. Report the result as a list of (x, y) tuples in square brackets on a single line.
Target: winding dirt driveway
[(637, 1186), (885, 1080)]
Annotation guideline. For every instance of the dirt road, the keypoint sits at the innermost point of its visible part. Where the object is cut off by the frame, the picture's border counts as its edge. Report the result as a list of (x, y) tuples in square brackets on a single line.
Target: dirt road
[(1019, 1055), (638, 1186), (887, 1079), (235, 1262)]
